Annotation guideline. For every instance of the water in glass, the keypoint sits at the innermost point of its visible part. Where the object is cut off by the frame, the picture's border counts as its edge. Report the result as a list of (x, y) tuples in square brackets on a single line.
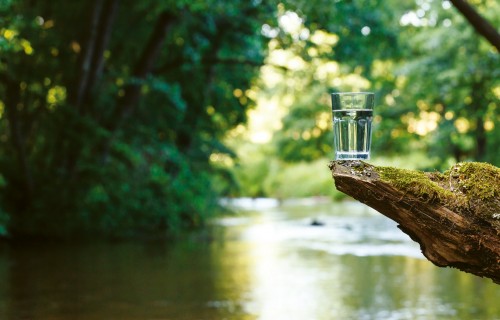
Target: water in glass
[(352, 132)]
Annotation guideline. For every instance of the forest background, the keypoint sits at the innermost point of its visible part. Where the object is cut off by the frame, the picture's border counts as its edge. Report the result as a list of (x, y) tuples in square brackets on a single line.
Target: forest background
[(126, 118)]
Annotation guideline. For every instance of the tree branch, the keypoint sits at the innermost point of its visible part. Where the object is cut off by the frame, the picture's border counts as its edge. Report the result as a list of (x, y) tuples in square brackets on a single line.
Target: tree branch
[(455, 217), (481, 25)]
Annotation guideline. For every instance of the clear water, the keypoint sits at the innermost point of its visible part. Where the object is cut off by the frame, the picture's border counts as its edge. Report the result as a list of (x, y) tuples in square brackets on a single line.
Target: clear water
[(352, 133), (267, 263)]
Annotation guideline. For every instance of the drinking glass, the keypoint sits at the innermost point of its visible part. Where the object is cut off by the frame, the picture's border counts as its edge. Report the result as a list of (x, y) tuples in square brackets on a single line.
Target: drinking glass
[(352, 124)]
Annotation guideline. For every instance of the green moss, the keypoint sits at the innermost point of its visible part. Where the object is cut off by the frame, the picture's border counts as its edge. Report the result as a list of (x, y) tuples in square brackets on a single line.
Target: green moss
[(475, 179), (469, 187), (416, 183)]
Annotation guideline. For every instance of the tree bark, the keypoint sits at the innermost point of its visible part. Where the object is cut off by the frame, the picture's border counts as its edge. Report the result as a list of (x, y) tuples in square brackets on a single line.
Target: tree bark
[(454, 216), (482, 26)]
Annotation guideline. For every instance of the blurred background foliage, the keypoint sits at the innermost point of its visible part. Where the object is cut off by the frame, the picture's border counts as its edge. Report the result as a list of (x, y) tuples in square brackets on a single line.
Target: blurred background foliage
[(122, 118), (436, 83)]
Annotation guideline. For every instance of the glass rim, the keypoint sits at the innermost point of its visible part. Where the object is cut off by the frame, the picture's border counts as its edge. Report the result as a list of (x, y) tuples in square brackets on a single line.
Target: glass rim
[(353, 93)]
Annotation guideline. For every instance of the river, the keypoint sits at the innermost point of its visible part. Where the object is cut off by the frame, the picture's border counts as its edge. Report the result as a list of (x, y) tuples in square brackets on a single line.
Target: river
[(267, 261)]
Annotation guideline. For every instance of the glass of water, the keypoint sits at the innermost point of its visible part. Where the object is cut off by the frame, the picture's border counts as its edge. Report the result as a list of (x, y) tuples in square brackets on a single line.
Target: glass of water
[(352, 124)]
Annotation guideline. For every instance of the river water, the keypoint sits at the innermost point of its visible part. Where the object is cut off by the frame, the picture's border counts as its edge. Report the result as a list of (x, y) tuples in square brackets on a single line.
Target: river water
[(266, 262)]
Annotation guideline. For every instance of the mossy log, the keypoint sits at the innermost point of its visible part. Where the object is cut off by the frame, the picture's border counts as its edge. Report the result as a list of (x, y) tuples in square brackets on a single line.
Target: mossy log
[(454, 216)]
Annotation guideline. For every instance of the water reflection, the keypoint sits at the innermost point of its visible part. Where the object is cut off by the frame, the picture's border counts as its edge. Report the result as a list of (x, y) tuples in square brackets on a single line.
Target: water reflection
[(268, 263), (357, 266)]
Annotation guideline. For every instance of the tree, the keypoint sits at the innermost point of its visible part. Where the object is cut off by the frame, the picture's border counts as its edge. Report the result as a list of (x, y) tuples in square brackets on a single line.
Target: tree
[(451, 78), (112, 111)]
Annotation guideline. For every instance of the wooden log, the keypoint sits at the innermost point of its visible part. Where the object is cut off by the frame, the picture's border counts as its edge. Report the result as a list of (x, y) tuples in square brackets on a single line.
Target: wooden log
[(454, 216)]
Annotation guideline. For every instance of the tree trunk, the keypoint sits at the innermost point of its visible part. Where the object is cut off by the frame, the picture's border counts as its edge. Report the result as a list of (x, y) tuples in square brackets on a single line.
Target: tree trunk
[(105, 29), (144, 66), (454, 216), (142, 69), (90, 67), (91, 61), (85, 59)]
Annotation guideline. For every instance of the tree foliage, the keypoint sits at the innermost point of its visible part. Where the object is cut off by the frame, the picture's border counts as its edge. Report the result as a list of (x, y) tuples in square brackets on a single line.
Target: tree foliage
[(452, 78), (435, 79), (111, 110)]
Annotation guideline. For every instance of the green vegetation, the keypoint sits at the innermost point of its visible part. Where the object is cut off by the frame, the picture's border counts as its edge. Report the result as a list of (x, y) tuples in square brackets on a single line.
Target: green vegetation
[(479, 184), (127, 118), (476, 179), (470, 187), (417, 183), (111, 111)]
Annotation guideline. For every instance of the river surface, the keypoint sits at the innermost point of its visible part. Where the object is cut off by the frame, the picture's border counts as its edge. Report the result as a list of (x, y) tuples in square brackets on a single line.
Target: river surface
[(266, 262)]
